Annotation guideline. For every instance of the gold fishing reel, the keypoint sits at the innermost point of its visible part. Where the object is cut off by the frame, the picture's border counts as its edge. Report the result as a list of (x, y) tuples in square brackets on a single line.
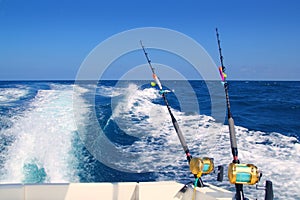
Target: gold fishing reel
[(199, 166), (247, 174)]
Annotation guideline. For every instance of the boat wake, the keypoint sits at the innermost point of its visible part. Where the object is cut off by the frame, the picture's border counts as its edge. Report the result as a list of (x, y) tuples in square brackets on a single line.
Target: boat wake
[(44, 142)]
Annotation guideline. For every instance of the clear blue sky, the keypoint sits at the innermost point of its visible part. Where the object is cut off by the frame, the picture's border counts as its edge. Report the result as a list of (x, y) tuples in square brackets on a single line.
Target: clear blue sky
[(49, 39)]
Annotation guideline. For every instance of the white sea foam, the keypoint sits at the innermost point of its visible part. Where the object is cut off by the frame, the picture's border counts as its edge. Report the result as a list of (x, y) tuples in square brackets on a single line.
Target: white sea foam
[(43, 137), (109, 91), (136, 106), (8, 95)]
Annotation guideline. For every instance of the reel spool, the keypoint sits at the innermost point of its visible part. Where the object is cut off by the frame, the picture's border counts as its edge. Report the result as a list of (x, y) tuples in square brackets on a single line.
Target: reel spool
[(208, 165), (247, 174), (199, 166)]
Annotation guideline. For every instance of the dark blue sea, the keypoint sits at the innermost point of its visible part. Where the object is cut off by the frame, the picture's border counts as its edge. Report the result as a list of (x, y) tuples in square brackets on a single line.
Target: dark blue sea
[(109, 131)]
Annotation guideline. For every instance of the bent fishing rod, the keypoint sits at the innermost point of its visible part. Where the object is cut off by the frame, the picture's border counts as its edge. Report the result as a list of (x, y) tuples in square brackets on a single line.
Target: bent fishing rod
[(197, 166), (239, 174)]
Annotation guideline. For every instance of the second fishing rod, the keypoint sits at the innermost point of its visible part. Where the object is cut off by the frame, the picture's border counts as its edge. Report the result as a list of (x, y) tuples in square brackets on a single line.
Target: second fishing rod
[(239, 174)]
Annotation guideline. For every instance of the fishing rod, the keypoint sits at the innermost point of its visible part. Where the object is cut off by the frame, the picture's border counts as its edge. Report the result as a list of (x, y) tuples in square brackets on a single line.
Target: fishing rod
[(198, 166), (234, 149), (239, 174)]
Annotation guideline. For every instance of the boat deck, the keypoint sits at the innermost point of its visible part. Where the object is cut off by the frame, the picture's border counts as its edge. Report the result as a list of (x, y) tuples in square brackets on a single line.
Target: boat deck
[(110, 191)]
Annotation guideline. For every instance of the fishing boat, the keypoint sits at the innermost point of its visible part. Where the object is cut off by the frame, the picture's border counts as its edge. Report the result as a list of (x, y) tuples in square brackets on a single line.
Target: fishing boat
[(238, 174)]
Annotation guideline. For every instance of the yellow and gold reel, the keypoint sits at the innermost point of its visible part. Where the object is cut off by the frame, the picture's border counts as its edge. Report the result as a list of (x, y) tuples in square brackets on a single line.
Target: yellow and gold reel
[(243, 174)]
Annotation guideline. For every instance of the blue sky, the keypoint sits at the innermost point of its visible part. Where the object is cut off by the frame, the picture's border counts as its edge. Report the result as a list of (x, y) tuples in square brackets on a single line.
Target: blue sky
[(50, 39)]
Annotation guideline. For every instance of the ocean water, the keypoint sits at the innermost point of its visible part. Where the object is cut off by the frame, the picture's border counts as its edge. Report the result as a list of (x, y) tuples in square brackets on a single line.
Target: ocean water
[(55, 131)]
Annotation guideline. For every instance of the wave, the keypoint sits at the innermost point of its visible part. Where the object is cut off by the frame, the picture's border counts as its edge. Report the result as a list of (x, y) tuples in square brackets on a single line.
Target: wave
[(158, 148), (43, 147), (42, 142), (9, 95)]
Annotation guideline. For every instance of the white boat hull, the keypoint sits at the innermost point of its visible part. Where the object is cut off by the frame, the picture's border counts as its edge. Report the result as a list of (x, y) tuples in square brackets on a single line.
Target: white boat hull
[(110, 191)]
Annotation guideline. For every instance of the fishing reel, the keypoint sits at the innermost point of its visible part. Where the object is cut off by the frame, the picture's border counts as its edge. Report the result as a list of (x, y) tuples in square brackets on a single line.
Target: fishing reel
[(246, 174), (199, 166), (203, 166)]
